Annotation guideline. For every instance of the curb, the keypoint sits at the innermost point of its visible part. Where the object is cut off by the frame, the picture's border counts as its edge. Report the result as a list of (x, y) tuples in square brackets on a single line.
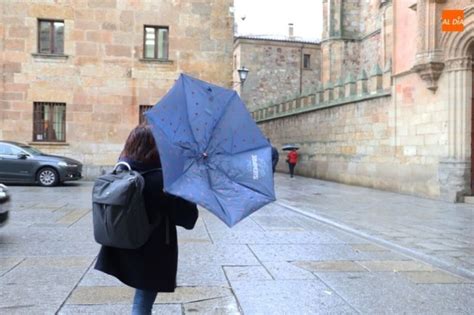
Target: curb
[(459, 271)]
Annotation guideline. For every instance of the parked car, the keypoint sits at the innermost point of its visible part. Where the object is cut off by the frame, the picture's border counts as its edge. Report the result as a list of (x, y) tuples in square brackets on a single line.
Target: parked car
[(4, 204), (21, 163)]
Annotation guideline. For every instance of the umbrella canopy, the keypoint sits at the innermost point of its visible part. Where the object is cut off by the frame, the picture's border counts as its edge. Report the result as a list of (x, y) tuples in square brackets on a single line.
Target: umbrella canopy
[(289, 147), (211, 150)]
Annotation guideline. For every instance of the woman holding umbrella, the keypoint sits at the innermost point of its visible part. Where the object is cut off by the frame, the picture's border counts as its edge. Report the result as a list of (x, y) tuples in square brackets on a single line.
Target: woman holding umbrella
[(151, 268), (292, 159)]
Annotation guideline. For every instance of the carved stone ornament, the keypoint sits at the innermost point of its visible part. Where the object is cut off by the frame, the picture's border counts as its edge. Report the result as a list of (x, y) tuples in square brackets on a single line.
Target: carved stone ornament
[(429, 66), (430, 73), (464, 63)]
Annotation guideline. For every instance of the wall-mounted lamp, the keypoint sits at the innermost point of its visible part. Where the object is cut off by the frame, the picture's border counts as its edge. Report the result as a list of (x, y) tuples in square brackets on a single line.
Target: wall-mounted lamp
[(243, 73)]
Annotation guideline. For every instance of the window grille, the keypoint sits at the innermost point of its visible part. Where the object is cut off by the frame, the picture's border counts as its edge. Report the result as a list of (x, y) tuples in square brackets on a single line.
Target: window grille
[(49, 122), (141, 118)]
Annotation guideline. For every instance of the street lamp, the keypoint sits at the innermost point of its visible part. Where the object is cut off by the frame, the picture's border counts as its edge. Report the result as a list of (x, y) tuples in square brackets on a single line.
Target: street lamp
[(243, 72)]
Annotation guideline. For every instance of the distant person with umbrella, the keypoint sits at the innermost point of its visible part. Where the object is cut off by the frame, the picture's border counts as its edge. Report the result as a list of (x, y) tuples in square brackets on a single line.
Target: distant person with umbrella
[(292, 158), (151, 268)]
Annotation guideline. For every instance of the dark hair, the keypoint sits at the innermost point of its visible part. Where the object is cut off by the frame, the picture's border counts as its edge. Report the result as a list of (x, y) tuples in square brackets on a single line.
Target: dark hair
[(140, 146)]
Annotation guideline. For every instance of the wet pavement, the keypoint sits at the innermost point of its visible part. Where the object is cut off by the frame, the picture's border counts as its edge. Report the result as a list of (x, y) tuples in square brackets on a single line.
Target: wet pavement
[(322, 248)]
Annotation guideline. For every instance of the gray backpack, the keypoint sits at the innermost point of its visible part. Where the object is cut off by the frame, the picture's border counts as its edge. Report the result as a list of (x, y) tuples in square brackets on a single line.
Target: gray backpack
[(118, 209)]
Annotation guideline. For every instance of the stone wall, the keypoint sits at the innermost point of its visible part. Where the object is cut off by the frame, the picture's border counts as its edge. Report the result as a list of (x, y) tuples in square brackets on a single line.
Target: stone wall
[(102, 76), (370, 132), (364, 38), (351, 22), (276, 69)]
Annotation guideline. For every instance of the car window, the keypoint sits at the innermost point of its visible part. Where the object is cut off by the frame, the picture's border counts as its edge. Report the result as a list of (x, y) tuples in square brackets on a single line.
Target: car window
[(6, 149), (31, 150), (15, 150)]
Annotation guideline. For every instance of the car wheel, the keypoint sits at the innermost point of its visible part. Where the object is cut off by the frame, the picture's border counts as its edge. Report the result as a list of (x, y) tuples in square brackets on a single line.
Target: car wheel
[(47, 177)]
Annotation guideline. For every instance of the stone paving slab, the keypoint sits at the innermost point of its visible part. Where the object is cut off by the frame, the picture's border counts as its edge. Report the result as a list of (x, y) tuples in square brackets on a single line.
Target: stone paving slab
[(7, 263), (218, 254), (395, 266), (447, 298), (72, 216), (191, 273), (250, 273), (53, 248), (29, 308), (316, 252), (368, 248), (338, 265), (295, 237), (218, 306), (423, 277), (390, 293), (99, 295), (283, 270), (289, 297), (114, 309)]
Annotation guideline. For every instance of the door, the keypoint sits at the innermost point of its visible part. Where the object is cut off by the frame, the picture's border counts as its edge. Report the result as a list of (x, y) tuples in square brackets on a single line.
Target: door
[(14, 168)]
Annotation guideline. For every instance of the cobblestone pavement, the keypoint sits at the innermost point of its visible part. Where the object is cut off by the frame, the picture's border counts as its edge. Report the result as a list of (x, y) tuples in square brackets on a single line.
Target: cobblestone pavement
[(322, 248)]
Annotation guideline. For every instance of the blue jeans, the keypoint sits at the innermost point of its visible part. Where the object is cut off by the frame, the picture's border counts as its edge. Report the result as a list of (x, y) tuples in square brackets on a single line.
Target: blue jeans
[(143, 302)]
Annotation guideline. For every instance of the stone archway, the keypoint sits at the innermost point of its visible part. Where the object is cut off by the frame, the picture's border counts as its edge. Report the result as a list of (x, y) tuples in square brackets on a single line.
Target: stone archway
[(455, 170)]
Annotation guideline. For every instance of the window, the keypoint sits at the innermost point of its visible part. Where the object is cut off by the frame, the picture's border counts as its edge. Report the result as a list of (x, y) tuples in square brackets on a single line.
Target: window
[(49, 122), (6, 149), (51, 37), (143, 108), (155, 42), (306, 61)]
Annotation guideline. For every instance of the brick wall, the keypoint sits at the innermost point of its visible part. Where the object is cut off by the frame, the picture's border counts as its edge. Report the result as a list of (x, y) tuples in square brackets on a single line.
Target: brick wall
[(102, 76)]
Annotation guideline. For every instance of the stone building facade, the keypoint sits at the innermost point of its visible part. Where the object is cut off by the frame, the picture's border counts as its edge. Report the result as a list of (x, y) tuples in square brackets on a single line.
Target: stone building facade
[(279, 68), (395, 108), (90, 67)]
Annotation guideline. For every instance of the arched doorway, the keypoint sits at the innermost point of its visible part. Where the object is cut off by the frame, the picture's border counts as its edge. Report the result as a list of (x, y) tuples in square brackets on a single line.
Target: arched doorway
[(457, 169)]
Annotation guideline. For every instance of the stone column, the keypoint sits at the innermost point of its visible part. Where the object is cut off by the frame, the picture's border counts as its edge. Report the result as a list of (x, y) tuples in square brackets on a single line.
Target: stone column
[(454, 171)]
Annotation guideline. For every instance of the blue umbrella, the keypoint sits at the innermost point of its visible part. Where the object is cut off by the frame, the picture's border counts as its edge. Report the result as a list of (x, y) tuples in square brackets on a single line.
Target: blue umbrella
[(211, 150)]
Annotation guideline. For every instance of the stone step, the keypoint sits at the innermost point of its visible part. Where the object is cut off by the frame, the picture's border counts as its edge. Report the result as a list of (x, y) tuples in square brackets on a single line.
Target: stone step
[(469, 199)]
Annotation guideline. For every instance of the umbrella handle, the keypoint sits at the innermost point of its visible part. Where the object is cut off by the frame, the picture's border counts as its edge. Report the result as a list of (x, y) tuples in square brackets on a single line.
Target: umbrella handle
[(121, 163)]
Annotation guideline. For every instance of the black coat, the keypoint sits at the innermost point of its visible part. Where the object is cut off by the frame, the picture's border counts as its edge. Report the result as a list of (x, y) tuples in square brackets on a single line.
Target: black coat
[(154, 265)]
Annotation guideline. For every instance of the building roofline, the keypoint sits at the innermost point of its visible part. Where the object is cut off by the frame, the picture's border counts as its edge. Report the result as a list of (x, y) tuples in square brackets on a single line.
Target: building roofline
[(269, 38)]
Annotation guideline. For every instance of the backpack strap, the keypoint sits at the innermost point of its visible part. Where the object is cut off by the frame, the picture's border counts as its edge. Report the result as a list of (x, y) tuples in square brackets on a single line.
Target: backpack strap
[(149, 171), (119, 164)]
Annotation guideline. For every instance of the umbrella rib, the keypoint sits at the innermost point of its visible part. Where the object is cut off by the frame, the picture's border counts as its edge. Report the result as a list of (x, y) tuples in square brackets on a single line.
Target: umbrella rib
[(226, 108), (187, 113)]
